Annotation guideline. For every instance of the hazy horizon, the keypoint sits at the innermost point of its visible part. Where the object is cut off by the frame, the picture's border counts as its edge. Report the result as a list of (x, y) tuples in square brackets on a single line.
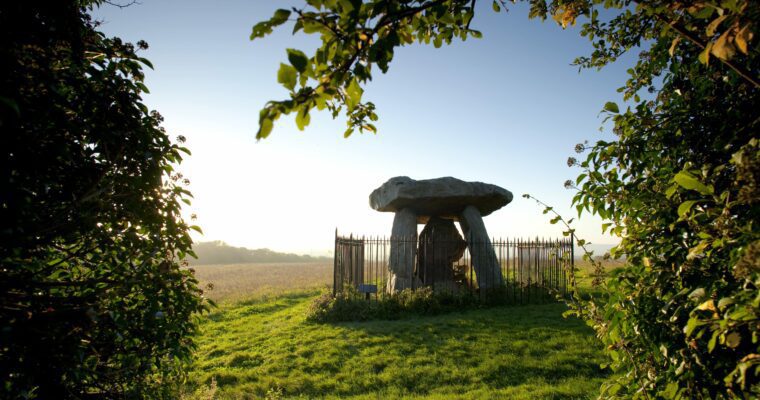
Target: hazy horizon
[(598, 248)]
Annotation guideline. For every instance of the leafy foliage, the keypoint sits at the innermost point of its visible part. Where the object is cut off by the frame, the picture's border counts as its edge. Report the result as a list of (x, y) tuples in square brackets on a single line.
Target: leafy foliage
[(93, 302), (351, 306), (679, 185), (356, 37)]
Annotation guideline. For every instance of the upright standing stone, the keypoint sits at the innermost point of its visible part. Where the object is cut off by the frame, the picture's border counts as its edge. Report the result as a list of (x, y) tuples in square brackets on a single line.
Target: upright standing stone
[(403, 250), (440, 246), (484, 259)]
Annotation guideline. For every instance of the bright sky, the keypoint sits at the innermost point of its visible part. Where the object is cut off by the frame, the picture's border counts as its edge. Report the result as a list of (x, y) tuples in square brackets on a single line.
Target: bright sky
[(506, 109)]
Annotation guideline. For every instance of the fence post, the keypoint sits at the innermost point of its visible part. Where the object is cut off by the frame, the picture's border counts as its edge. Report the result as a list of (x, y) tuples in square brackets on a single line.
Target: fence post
[(335, 263), (572, 257)]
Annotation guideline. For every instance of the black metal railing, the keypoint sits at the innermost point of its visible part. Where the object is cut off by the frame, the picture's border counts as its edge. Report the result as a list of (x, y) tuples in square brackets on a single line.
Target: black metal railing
[(524, 271)]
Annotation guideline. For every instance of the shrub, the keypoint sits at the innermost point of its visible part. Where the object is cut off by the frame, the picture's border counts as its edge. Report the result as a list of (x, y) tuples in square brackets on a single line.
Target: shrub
[(350, 305), (93, 299)]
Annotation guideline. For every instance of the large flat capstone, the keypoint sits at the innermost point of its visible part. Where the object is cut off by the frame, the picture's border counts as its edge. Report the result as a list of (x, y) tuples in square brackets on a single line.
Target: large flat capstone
[(443, 197)]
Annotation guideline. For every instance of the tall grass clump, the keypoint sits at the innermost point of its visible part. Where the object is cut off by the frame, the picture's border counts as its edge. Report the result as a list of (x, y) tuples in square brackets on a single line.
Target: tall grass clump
[(349, 305)]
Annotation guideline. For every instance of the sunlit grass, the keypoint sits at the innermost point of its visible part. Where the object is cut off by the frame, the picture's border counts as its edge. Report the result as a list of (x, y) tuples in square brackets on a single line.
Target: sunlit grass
[(258, 344), (250, 348)]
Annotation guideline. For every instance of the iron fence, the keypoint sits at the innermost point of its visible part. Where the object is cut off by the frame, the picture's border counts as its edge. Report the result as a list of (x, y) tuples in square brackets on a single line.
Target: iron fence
[(522, 271)]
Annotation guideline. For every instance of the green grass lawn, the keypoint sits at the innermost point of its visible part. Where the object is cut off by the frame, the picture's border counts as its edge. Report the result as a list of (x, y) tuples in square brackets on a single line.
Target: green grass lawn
[(251, 349)]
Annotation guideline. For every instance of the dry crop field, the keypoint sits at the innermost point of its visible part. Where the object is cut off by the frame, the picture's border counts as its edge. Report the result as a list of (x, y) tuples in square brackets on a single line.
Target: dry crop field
[(233, 282)]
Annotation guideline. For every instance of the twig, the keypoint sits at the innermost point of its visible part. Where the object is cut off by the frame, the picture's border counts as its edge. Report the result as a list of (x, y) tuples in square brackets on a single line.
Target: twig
[(112, 3)]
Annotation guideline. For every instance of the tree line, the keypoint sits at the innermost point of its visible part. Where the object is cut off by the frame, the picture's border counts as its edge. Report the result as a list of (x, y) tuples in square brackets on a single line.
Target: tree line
[(218, 252)]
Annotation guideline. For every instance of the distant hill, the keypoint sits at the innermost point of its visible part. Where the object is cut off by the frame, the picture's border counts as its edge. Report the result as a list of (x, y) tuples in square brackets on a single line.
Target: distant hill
[(598, 249), (218, 252)]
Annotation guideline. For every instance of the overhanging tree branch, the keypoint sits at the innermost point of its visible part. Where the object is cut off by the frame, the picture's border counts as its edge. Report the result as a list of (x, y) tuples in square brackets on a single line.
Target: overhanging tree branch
[(743, 73)]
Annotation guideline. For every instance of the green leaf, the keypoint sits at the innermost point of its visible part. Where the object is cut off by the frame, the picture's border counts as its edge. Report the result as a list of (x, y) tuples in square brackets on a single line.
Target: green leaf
[(697, 250), (280, 16), (702, 13), (311, 26), (196, 228), (297, 26), (142, 87), (697, 293), (691, 325), (496, 6), (298, 59), (146, 62), (265, 127), (346, 5), (690, 182), (671, 391), (368, 127), (611, 107), (302, 118), (287, 76), (670, 191), (711, 342), (264, 28), (685, 207), (260, 30), (353, 94), (725, 302)]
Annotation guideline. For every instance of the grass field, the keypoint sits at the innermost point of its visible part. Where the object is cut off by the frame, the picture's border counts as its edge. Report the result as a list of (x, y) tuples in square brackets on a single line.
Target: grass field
[(263, 347), (232, 282)]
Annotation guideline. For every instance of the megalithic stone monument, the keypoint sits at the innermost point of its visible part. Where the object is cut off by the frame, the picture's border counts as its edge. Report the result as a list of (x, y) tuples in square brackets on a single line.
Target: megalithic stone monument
[(416, 202), (403, 250)]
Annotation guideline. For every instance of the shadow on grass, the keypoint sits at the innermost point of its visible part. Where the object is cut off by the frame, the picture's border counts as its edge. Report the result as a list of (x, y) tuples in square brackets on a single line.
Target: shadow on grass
[(544, 345), (264, 304), (296, 296), (518, 351)]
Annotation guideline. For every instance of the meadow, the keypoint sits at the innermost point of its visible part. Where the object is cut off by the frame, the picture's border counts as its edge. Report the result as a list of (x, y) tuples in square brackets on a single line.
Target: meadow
[(233, 282), (257, 344)]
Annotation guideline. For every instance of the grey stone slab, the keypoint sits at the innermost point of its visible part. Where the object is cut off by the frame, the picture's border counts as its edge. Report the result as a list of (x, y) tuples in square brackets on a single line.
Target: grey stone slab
[(444, 197)]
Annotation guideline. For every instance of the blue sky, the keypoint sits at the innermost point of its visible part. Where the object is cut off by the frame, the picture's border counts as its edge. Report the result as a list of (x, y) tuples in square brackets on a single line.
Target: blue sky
[(506, 109)]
